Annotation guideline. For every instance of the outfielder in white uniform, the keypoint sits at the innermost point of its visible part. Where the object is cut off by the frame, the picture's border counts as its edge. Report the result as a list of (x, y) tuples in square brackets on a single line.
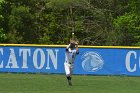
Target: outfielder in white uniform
[(70, 55)]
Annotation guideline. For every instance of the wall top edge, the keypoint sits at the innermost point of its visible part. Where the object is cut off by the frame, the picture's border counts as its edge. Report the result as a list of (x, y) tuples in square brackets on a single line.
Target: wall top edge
[(80, 46)]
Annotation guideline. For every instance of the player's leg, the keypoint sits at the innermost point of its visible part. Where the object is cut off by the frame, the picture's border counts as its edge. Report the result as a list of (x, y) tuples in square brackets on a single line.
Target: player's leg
[(68, 73), (71, 71)]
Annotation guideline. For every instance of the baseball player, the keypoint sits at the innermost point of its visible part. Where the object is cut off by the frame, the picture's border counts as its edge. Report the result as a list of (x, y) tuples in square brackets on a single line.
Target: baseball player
[(70, 55)]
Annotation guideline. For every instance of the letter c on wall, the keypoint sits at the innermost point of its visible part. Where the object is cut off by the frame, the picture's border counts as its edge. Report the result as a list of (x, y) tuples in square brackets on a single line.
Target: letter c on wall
[(128, 62)]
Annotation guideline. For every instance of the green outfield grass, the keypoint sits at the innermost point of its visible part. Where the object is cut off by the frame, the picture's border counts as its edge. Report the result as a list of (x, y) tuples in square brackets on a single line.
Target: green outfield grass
[(39, 83)]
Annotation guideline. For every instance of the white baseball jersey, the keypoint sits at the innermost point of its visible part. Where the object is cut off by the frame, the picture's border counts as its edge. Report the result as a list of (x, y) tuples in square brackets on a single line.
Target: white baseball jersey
[(70, 56)]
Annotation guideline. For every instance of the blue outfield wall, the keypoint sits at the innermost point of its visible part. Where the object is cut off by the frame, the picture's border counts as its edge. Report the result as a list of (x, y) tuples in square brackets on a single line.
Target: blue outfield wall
[(50, 59)]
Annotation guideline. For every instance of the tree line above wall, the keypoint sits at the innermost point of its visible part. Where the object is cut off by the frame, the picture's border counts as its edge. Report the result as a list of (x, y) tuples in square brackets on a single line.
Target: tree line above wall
[(94, 22)]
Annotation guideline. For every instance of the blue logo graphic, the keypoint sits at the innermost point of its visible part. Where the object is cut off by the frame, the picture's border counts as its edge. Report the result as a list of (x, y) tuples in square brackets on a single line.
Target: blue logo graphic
[(92, 61)]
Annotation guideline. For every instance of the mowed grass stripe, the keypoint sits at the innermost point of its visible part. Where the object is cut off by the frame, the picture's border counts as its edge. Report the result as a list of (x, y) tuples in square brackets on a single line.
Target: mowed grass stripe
[(39, 83)]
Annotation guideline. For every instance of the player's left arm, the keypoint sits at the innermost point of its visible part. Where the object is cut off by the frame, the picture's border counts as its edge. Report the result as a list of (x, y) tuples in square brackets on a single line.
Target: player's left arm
[(77, 49)]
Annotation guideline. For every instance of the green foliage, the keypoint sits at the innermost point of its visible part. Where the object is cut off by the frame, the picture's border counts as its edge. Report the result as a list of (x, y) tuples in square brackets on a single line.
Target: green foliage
[(18, 16), (128, 26), (94, 22), (2, 36), (1, 0)]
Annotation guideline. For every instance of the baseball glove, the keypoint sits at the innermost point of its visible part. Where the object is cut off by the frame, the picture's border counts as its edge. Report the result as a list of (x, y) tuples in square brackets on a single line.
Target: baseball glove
[(75, 41)]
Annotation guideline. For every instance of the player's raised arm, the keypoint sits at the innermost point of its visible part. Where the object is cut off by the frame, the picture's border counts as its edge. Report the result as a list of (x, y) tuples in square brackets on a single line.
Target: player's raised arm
[(67, 48), (77, 49)]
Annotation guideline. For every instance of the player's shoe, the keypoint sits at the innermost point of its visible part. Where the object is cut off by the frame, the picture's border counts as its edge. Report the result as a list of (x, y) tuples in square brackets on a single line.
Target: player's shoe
[(69, 82)]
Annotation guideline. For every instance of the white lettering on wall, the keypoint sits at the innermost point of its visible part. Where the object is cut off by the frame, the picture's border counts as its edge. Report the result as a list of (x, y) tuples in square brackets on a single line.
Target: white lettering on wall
[(1, 51), (24, 53), (52, 56), (35, 58), (129, 55), (25, 58), (12, 62)]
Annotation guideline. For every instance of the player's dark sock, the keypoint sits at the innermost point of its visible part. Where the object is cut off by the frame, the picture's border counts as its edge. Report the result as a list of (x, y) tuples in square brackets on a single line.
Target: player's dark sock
[(69, 80)]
